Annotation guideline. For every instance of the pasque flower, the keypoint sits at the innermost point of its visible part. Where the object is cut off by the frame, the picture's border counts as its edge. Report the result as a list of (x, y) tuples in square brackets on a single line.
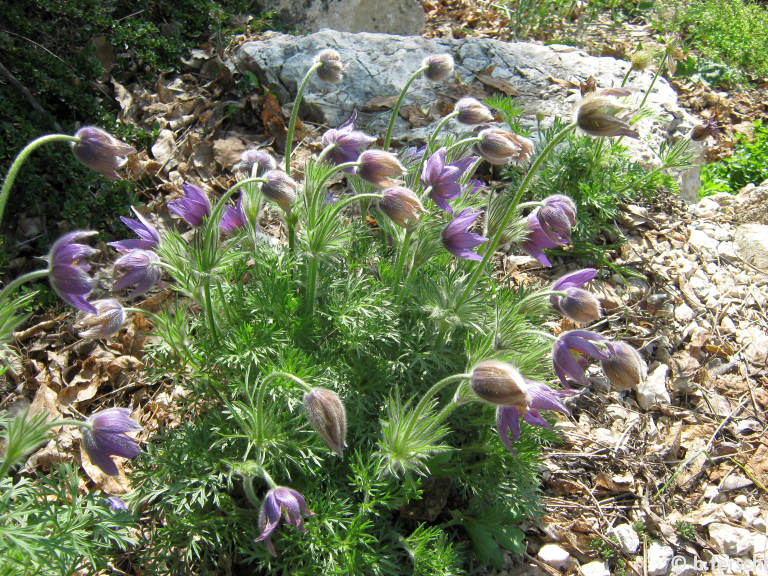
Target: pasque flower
[(499, 383), (598, 114), (578, 304), (500, 146), (138, 268), (67, 267), (233, 217), (332, 69), (401, 205), (457, 238), (256, 162), (148, 237), (439, 67), (280, 188), (325, 411), (101, 151), (108, 319), (347, 142), (537, 240), (472, 111), (105, 436), (193, 207), (379, 168), (281, 502), (542, 397), (624, 367), (444, 178), (556, 217), (584, 343)]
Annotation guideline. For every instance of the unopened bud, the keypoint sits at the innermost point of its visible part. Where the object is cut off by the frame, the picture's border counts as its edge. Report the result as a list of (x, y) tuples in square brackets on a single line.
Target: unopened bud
[(256, 162), (401, 205), (439, 67), (379, 167), (641, 59), (108, 320), (472, 111), (580, 305), (597, 114), (332, 69), (280, 188), (326, 413), (499, 146), (624, 367), (500, 383)]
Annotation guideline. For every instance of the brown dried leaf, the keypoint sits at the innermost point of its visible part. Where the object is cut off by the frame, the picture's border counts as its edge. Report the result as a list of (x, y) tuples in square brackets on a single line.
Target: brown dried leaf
[(380, 103), (111, 484), (415, 115), (497, 83), (227, 151)]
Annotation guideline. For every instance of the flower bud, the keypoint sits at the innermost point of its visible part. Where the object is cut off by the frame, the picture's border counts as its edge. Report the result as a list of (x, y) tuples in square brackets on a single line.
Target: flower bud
[(556, 218), (280, 189), (439, 67), (500, 383), (327, 415), (101, 151), (256, 162), (624, 367), (401, 205), (597, 114), (107, 320), (499, 146), (472, 111), (332, 69), (379, 167), (641, 59)]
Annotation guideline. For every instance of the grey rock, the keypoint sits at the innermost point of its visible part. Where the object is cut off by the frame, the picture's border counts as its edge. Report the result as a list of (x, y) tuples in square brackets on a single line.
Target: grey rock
[(741, 500), (628, 538), (753, 517), (752, 244), (736, 482), (654, 389), (554, 555), (733, 511), (684, 313), (659, 557), (379, 65), (703, 242), (730, 539), (595, 568)]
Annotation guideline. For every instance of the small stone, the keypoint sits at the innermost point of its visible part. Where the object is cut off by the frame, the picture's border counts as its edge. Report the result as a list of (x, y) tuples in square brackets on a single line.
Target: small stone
[(595, 568), (628, 538), (752, 244), (753, 517), (727, 325), (741, 500), (736, 482), (684, 313), (733, 511), (700, 240), (726, 249), (686, 567), (729, 539), (711, 492), (659, 557), (654, 389), (554, 555)]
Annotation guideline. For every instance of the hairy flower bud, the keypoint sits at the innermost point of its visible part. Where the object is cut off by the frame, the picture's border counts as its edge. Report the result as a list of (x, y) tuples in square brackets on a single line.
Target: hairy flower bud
[(641, 59), (256, 162), (326, 413), (499, 146), (379, 167), (401, 205), (332, 69), (280, 189), (472, 111), (556, 218), (597, 114), (439, 67), (500, 383), (107, 320), (624, 367), (101, 151)]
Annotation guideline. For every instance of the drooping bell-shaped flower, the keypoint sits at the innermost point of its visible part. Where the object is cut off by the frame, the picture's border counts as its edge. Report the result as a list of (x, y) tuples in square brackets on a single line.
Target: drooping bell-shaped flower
[(347, 142), (138, 268), (256, 162), (584, 343), (578, 304), (148, 237), (625, 368), (193, 207), (537, 240), (439, 67), (556, 217), (598, 114), (332, 69), (542, 398), (325, 411), (280, 188), (401, 205), (500, 146), (233, 218), (116, 504), (108, 319), (471, 111), (101, 151), (499, 383), (281, 503), (106, 436), (68, 267), (444, 178), (379, 168), (457, 238)]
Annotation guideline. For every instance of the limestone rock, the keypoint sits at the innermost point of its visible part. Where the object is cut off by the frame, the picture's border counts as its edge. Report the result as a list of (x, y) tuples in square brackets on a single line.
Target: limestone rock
[(554, 555), (730, 540), (628, 538), (752, 244), (659, 557), (654, 389), (596, 568)]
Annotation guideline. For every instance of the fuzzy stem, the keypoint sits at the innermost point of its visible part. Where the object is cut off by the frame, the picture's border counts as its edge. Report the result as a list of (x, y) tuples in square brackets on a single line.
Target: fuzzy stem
[(311, 287), (494, 243), (531, 204), (295, 114), (209, 309), (21, 158), (396, 109), (325, 151), (437, 387), (659, 72), (440, 125), (250, 493), (260, 399), (626, 76), (462, 142), (16, 282), (401, 259)]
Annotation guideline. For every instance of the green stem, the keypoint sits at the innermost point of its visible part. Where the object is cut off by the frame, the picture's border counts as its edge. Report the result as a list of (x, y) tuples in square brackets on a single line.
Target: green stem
[(626, 76), (260, 400), (209, 308), (250, 493), (531, 204), (659, 72), (463, 142), (396, 109), (494, 243), (21, 158), (16, 282), (436, 388), (311, 287), (295, 114), (401, 259), (341, 204), (440, 126)]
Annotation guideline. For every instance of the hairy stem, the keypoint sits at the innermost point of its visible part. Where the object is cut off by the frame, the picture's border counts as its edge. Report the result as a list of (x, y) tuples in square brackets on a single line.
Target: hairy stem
[(396, 108), (24, 278), (295, 114)]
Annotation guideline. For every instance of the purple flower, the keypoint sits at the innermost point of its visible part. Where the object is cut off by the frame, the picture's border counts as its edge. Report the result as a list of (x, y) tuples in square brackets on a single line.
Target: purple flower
[(67, 269), (139, 268), (439, 67), (233, 217), (401, 205), (542, 398), (348, 142), (277, 501), (262, 161), (578, 304), (106, 437), (379, 168), (457, 238), (583, 342), (332, 69), (444, 178), (556, 218), (537, 241), (500, 146), (474, 186), (116, 504), (625, 367), (100, 151), (108, 319), (148, 236), (193, 207)]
